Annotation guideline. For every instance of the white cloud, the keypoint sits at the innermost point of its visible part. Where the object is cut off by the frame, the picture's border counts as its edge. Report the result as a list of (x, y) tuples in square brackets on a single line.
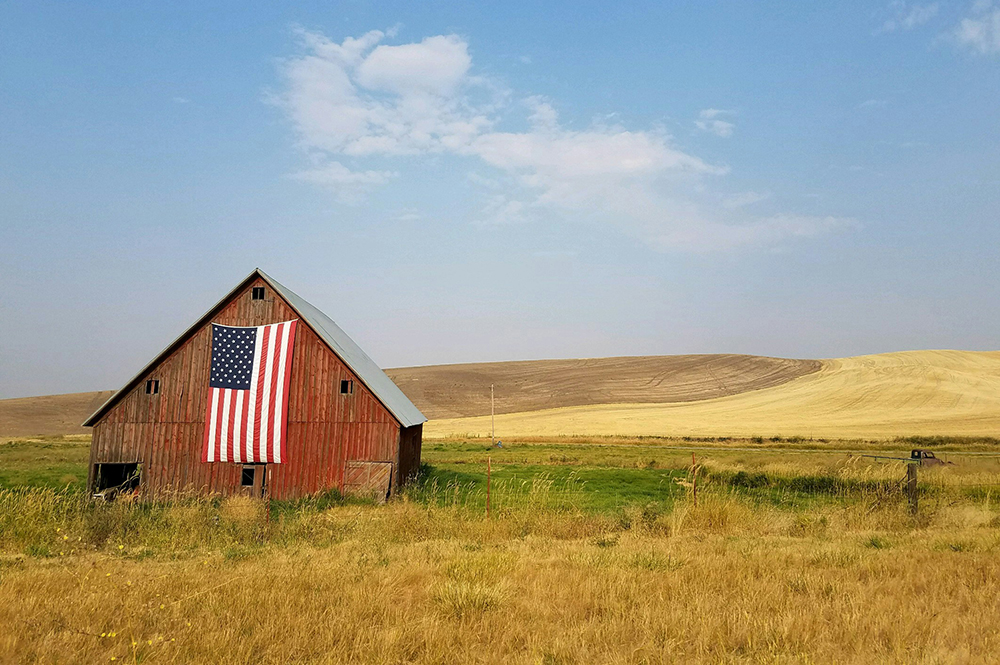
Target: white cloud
[(350, 186), (709, 121), (369, 101), (436, 66), (908, 17), (980, 31), (500, 209)]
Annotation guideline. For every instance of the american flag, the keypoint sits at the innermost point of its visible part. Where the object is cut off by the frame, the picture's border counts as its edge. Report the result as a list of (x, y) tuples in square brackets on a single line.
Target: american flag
[(248, 393)]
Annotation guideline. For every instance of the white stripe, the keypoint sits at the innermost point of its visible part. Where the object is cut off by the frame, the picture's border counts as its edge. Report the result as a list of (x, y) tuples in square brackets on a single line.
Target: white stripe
[(237, 425), (211, 425), (279, 393), (227, 396), (252, 398), (265, 407)]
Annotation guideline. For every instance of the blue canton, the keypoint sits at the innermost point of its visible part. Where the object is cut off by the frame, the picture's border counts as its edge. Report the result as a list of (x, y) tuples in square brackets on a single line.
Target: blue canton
[(232, 357)]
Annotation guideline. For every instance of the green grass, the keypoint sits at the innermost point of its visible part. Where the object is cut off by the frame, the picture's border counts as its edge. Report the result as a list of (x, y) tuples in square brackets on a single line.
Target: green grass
[(52, 463), (594, 489), (592, 477)]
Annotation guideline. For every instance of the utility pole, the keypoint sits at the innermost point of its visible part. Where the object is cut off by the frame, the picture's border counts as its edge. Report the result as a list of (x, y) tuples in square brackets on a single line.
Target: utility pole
[(493, 425)]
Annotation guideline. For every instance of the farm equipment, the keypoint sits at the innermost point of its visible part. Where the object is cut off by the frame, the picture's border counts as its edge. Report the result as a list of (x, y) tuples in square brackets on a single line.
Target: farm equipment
[(917, 456)]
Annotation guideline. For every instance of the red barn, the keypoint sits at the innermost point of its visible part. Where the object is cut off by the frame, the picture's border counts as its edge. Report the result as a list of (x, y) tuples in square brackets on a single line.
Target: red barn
[(348, 426)]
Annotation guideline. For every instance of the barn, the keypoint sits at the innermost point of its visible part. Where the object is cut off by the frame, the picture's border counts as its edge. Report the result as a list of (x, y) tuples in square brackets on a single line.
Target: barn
[(342, 423)]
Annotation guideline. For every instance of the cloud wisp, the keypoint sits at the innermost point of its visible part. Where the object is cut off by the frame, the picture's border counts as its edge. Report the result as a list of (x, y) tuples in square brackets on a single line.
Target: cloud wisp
[(709, 120), (980, 30), (907, 17), (362, 101)]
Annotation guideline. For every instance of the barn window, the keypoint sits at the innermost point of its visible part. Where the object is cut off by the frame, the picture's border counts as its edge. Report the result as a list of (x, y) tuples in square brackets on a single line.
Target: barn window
[(248, 474), (153, 387), (346, 387), (257, 293)]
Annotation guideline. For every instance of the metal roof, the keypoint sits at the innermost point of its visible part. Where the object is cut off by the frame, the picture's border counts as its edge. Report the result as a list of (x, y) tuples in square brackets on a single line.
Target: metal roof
[(387, 392)]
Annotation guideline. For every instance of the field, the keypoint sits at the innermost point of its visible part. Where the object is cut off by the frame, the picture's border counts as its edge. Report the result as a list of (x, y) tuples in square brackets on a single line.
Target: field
[(49, 415), (695, 509), (454, 391), (917, 393), (593, 552), (450, 391)]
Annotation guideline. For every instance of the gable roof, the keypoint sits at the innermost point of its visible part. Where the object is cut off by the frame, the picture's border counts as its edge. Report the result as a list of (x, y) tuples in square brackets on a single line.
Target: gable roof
[(332, 335)]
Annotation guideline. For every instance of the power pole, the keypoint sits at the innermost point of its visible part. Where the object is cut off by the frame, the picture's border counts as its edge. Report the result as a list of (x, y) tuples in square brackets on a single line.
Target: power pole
[(493, 425)]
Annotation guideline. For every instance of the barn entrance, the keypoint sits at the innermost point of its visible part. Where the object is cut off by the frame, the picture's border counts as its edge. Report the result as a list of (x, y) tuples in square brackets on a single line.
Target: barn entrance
[(253, 480), (112, 479)]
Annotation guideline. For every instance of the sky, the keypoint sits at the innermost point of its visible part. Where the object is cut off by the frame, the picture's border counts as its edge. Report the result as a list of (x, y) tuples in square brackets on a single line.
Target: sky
[(458, 182)]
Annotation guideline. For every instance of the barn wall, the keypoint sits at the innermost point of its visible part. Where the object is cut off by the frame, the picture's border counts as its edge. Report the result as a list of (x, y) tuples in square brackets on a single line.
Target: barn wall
[(165, 432)]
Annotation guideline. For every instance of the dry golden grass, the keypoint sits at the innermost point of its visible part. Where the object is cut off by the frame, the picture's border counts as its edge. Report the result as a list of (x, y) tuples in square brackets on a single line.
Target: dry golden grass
[(918, 393), (726, 581), (49, 415)]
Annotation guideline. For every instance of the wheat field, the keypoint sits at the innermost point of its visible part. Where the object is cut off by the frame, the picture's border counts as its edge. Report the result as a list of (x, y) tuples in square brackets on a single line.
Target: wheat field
[(914, 393)]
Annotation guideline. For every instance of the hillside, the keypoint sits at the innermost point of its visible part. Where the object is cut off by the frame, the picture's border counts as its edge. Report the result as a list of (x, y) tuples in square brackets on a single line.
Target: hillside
[(452, 391), (917, 392), (893, 394), (50, 415)]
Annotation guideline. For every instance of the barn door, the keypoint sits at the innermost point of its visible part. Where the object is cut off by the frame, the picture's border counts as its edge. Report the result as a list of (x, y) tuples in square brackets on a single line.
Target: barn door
[(372, 479)]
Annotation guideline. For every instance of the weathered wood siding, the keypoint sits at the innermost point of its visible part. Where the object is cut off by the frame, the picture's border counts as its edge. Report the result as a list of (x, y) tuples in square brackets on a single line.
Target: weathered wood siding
[(165, 432)]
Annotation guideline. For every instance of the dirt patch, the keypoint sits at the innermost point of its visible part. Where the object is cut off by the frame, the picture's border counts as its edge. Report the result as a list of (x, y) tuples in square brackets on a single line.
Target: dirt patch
[(456, 391)]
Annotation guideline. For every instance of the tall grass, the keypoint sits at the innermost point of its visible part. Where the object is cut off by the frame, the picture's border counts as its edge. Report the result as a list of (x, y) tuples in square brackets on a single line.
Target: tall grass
[(772, 564)]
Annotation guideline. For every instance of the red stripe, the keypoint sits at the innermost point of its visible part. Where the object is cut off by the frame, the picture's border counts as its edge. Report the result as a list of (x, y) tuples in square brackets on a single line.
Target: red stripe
[(208, 425), (275, 358), (284, 392), (218, 424), (260, 394)]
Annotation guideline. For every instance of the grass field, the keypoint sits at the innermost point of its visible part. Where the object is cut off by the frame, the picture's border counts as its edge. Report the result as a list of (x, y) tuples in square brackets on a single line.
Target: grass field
[(923, 393), (594, 552)]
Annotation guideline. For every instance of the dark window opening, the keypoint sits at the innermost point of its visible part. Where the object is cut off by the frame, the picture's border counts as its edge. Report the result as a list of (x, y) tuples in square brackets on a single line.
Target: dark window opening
[(111, 479), (257, 293), (153, 387), (248, 474), (346, 387)]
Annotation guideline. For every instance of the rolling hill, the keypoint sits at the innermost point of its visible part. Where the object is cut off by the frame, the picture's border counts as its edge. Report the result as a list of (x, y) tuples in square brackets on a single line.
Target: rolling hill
[(887, 395), (50, 415), (456, 391), (916, 392)]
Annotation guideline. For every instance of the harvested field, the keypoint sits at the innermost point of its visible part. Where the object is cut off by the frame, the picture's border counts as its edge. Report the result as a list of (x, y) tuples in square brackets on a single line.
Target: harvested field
[(50, 415), (456, 391), (914, 393)]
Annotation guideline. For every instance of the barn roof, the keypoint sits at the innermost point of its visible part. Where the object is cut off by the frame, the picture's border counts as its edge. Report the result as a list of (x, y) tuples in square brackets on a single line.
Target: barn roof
[(339, 342)]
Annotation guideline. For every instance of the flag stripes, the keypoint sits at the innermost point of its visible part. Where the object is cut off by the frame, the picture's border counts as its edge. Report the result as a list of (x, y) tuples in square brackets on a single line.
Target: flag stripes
[(248, 393)]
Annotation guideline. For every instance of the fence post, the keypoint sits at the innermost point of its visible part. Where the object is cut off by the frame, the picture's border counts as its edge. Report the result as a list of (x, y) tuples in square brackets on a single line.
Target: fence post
[(911, 486), (488, 468), (694, 480)]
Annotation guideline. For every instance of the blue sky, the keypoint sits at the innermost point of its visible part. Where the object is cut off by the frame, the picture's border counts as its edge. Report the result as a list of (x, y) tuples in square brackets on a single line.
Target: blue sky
[(457, 181)]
